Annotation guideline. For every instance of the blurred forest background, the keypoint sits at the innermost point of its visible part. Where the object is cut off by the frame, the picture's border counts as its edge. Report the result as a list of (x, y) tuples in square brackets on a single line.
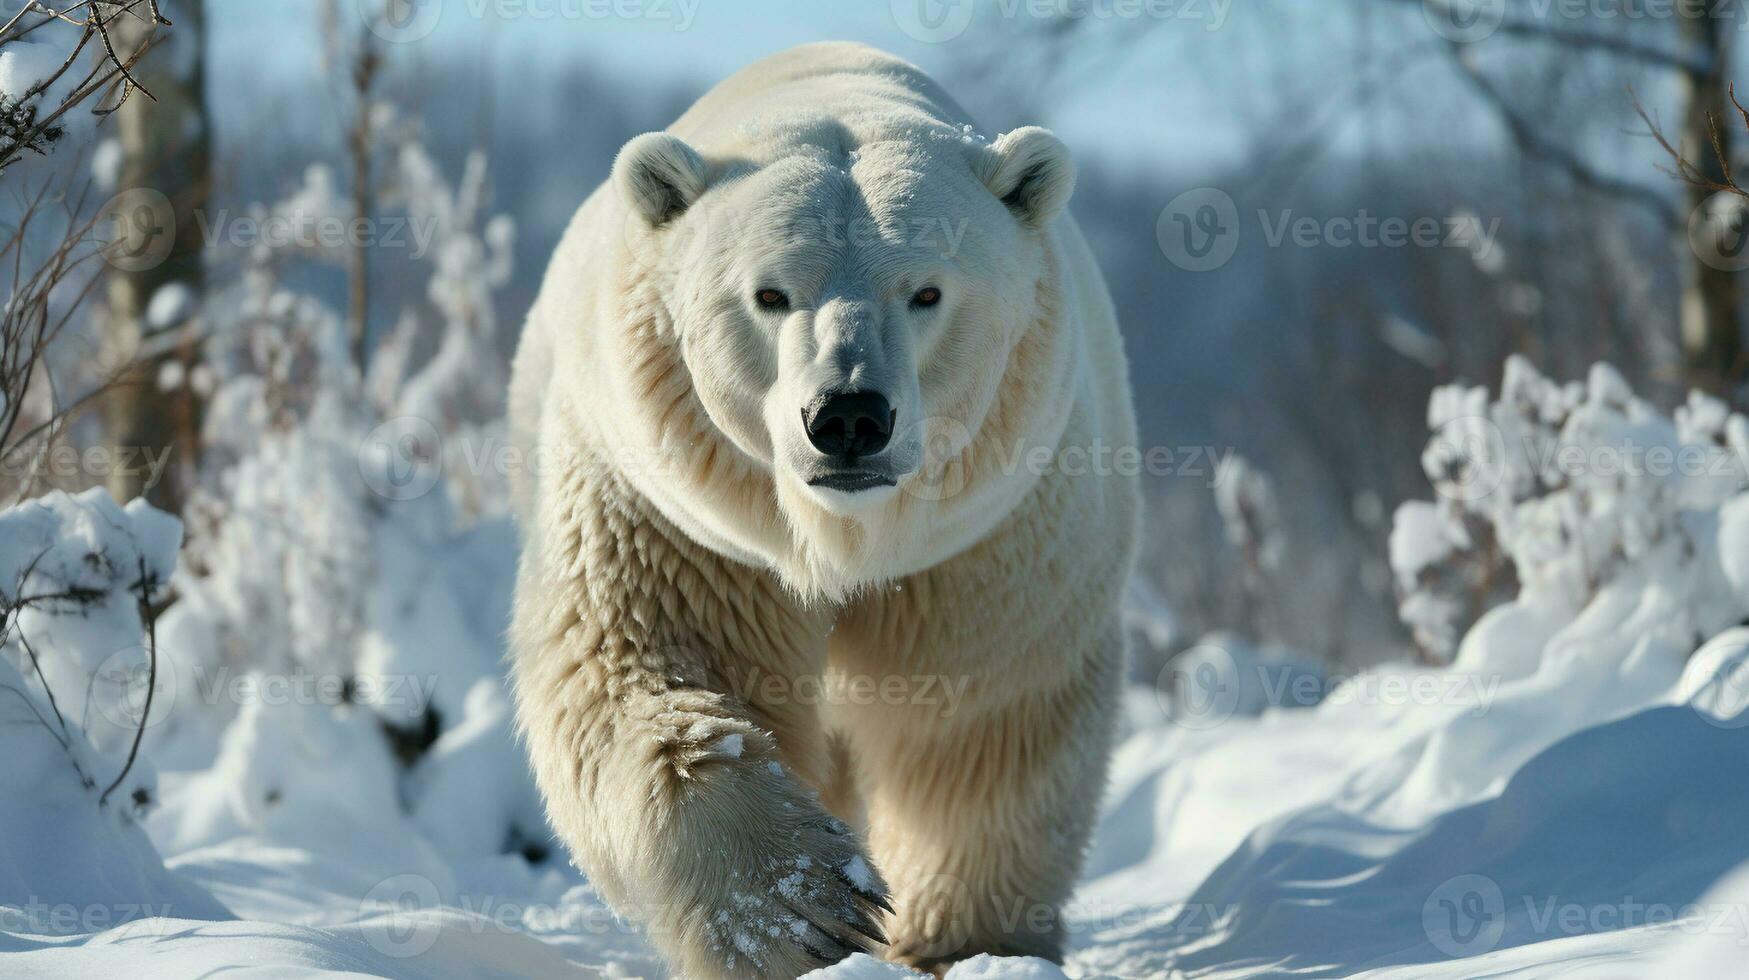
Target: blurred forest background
[(1303, 362)]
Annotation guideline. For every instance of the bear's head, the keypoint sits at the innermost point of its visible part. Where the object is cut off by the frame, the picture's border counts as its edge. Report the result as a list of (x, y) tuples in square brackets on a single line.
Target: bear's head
[(847, 342)]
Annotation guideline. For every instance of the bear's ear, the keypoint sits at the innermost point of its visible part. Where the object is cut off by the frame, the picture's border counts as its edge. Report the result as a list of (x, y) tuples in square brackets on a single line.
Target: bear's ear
[(659, 176), (1029, 170)]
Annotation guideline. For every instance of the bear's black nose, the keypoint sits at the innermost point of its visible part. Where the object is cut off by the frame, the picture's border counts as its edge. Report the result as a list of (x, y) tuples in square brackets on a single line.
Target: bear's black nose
[(850, 424)]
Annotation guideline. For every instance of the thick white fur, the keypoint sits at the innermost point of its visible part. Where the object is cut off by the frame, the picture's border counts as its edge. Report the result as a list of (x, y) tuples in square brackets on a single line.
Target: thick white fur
[(682, 584)]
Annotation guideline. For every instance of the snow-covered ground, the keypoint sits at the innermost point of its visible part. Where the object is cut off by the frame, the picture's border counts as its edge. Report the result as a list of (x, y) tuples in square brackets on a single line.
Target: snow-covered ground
[(328, 783), (1236, 850)]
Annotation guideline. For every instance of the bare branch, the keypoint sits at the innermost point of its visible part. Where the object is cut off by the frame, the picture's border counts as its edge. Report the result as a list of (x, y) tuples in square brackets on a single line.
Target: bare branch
[(109, 46), (1688, 171), (36, 664), (151, 680), (1586, 41), (1528, 136), (25, 130)]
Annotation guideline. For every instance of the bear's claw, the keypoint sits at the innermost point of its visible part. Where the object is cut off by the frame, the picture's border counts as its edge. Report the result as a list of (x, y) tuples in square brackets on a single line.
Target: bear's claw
[(790, 892)]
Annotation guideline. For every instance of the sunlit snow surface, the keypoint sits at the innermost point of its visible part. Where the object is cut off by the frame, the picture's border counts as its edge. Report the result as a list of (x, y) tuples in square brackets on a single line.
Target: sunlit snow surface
[(1237, 850)]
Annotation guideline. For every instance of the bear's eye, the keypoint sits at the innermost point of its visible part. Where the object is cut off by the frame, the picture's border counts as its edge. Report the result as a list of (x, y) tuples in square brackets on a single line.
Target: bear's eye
[(926, 297), (771, 299)]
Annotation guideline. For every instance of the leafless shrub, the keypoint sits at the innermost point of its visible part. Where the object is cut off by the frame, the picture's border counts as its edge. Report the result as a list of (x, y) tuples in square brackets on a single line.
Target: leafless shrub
[(23, 124), (1693, 172), (78, 601), (45, 294)]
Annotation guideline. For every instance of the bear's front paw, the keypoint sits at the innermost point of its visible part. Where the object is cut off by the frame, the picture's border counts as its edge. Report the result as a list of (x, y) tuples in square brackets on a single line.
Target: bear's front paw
[(783, 887)]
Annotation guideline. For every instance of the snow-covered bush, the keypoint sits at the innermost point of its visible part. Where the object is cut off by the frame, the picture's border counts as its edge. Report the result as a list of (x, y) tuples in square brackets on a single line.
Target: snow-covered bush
[(74, 575), (1574, 493), (1627, 532), (40, 90), (349, 561), (1245, 499), (76, 686)]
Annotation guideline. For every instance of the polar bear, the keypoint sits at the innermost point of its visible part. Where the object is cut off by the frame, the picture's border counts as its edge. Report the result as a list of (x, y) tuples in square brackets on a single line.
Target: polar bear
[(816, 639)]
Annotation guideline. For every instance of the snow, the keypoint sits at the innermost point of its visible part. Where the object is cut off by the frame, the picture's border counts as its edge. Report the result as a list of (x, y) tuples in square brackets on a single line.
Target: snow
[(473, 784), (861, 966), (1331, 889), (61, 543), (1420, 537), (171, 304), (28, 60), (730, 746), (987, 967), (1713, 942), (75, 864), (23, 64), (107, 160), (448, 943), (1716, 682), (857, 870), (329, 781)]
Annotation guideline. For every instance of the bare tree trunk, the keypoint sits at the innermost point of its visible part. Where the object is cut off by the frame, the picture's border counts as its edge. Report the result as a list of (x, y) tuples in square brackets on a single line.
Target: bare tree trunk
[(358, 144), (1712, 345), (166, 148), (348, 48)]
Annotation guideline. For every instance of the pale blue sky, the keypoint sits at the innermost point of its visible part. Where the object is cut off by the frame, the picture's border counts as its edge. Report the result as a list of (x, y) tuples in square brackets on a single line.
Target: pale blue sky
[(1167, 98)]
